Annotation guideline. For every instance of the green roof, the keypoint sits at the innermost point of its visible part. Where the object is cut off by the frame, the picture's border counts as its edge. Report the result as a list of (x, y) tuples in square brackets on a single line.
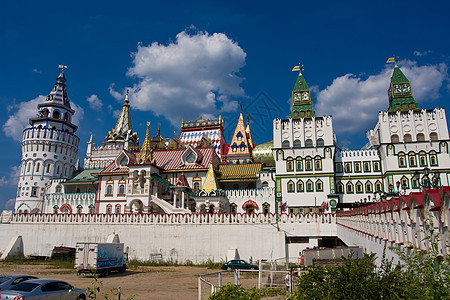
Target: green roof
[(86, 176), (300, 84), (398, 76), (400, 93), (263, 153)]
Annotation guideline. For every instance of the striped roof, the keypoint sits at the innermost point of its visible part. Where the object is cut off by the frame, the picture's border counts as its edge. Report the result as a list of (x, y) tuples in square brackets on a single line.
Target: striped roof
[(239, 172), (172, 159)]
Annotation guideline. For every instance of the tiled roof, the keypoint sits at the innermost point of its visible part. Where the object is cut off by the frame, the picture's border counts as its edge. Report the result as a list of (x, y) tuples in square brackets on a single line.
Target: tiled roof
[(263, 153), (300, 84), (171, 159), (86, 176), (239, 172)]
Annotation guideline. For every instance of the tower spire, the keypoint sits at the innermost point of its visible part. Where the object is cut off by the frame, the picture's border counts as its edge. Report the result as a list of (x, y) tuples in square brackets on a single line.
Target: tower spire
[(145, 155), (301, 97), (399, 92), (123, 130)]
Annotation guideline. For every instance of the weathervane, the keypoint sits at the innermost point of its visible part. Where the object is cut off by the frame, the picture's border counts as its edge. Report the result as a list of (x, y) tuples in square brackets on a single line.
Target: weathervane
[(298, 68), (393, 60)]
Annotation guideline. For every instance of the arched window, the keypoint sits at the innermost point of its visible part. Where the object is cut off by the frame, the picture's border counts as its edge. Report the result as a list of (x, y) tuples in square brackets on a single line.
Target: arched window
[(433, 158), (369, 187), (395, 138), (366, 166), (79, 209), (266, 208), (239, 136), (349, 188), (290, 187), (348, 167), (412, 159), (56, 114), (297, 144), (433, 136), (308, 143), (339, 168), (55, 209), (378, 186), (320, 142), (58, 188), (243, 147), (109, 190), (233, 208), (285, 144), (319, 186), (289, 165), (109, 209), (121, 190), (196, 187), (308, 164), (309, 186), (420, 137), (359, 187), (318, 163), (340, 188), (298, 164), (414, 183), (91, 209), (407, 138), (404, 183), (117, 209), (67, 117), (401, 160), (300, 186), (422, 159), (265, 184)]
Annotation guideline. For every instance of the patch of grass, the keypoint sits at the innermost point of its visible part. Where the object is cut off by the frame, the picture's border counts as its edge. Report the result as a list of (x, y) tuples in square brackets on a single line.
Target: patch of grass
[(135, 263), (53, 263)]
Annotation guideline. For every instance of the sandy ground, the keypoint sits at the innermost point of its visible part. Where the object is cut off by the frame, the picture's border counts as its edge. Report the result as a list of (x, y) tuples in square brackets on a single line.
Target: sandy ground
[(141, 283)]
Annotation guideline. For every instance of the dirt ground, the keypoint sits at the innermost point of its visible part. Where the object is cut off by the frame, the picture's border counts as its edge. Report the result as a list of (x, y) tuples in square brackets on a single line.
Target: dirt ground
[(141, 283)]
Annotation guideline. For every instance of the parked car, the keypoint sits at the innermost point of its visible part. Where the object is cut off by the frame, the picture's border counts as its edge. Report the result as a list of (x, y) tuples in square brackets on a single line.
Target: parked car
[(8, 281), (238, 264), (43, 289)]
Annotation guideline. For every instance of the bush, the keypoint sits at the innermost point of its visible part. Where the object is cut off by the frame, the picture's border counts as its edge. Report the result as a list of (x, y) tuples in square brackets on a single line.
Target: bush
[(237, 292)]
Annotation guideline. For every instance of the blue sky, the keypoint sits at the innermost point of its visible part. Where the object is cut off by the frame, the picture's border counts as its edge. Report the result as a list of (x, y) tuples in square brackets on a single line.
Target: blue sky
[(183, 60)]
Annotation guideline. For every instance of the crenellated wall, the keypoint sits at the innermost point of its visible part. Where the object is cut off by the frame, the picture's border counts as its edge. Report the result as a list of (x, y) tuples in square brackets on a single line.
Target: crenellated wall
[(177, 237)]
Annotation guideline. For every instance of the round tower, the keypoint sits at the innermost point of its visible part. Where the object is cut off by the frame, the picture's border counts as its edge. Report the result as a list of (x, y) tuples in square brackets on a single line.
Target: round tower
[(49, 148)]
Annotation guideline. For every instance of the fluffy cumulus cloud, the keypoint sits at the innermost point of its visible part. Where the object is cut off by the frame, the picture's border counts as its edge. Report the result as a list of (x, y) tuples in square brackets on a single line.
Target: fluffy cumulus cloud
[(354, 101), (195, 75), (23, 111), (94, 102)]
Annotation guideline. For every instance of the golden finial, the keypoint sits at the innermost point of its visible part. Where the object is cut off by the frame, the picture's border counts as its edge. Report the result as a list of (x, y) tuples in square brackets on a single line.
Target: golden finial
[(241, 107)]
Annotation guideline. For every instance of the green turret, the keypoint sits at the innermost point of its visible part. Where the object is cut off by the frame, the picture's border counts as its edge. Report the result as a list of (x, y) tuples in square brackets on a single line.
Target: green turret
[(400, 94), (301, 99)]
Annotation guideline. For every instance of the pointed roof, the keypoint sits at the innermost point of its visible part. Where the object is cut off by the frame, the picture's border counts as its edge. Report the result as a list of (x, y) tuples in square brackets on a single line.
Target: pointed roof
[(301, 99), (249, 135), (123, 132), (146, 151), (58, 95), (239, 143), (210, 181), (400, 92), (182, 181)]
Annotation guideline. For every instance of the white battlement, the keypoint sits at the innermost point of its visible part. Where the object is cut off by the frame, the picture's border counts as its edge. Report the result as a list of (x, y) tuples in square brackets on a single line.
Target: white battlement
[(357, 153), (50, 134), (175, 218)]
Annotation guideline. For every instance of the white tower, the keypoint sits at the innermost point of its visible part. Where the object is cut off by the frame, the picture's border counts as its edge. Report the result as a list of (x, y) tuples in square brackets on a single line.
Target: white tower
[(49, 148)]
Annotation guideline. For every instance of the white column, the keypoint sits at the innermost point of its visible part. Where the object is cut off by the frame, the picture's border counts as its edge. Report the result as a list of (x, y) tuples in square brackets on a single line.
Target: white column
[(182, 200)]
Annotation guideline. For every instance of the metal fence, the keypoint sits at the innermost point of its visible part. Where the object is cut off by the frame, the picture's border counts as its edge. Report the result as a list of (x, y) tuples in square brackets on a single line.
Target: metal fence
[(211, 282)]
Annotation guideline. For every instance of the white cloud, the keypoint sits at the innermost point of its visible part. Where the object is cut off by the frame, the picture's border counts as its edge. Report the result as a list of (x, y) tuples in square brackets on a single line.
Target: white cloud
[(9, 205), (118, 96), (19, 120), (12, 179), (37, 71), (354, 101), (194, 75), (422, 53), (94, 102)]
